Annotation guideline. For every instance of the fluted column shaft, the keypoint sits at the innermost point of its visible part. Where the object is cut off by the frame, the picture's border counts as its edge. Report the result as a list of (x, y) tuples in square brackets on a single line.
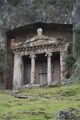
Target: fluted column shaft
[(49, 72), (32, 68), (62, 64)]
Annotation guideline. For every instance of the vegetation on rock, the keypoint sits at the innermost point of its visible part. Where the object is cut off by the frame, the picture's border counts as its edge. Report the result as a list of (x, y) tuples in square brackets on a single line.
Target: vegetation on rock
[(77, 32), (13, 2), (69, 61), (2, 63)]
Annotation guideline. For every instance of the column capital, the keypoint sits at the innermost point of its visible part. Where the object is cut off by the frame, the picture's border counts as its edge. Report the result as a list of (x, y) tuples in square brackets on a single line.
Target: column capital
[(17, 54), (32, 55), (49, 54)]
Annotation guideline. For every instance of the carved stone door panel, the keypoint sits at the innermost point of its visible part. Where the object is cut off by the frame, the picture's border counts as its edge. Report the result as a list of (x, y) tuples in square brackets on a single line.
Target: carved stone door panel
[(43, 78)]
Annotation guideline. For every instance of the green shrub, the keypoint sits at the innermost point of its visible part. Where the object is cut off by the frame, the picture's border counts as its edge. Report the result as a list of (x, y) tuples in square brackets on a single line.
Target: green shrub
[(13, 2), (77, 32), (69, 61), (2, 63)]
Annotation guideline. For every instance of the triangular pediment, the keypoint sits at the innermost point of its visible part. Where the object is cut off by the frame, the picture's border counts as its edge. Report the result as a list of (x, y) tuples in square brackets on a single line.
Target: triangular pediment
[(39, 40)]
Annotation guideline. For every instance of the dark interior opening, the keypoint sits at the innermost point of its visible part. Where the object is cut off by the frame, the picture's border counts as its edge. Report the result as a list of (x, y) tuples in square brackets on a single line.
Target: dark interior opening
[(26, 70), (56, 67), (41, 69)]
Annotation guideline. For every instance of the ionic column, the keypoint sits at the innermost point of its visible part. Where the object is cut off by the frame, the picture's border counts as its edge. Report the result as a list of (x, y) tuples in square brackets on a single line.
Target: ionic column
[(32, 68), (62, 64), (49, 72), (17, 75)]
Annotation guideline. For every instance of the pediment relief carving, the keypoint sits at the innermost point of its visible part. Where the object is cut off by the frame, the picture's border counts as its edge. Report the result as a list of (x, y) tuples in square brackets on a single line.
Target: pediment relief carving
[(40, 39)]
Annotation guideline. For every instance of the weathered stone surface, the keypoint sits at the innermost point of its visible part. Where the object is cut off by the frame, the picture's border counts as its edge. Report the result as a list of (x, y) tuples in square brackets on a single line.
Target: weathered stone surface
[(69, 114)]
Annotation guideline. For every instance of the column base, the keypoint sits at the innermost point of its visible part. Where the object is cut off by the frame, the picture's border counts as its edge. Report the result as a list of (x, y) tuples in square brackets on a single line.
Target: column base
[(49, 84)]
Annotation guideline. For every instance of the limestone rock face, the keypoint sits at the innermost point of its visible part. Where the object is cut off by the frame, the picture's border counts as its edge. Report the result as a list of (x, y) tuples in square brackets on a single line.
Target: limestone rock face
[(18, 12), (15, 13)]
